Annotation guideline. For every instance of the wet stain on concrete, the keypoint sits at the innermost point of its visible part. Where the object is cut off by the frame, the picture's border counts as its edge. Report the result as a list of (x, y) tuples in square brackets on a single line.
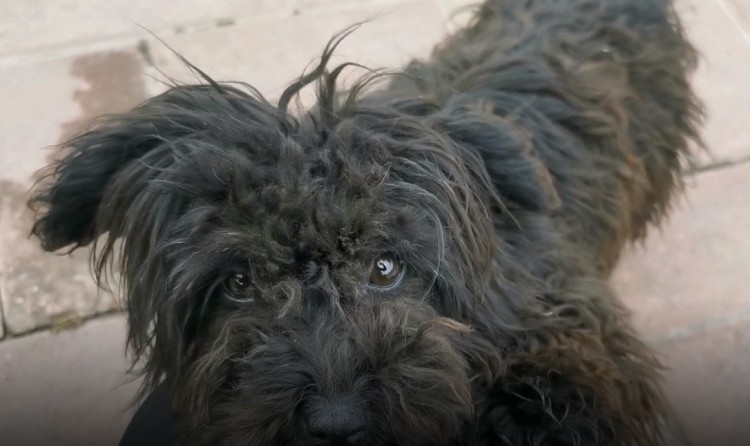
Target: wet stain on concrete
[(113, 83)]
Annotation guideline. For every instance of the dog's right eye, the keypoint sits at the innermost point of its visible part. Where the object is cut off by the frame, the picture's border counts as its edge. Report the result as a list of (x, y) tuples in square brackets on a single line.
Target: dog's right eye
[(237, 284), (386, 271)]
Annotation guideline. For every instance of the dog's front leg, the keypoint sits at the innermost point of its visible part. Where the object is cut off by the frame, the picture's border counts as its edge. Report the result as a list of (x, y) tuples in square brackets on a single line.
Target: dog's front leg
[(574, 385)]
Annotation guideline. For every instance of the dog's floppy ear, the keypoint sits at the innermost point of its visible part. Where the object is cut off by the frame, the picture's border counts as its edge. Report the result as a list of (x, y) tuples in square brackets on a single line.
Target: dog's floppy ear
[(107, 167), (70, 193)]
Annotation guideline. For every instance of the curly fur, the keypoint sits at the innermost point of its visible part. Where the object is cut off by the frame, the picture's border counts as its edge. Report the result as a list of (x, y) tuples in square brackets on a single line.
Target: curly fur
[(506, 172)]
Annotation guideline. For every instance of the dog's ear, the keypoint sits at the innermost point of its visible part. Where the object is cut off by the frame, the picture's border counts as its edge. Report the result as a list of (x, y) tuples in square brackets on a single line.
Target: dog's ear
[(70, 193), (88, 192)]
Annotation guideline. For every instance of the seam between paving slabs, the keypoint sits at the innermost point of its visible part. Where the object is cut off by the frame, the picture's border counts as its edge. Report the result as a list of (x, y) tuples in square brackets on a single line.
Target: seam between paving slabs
[(731, 14), (698, 328)]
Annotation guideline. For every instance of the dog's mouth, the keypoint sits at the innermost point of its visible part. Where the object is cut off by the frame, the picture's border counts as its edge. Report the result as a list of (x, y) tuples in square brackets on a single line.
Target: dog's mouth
[(390, 374)]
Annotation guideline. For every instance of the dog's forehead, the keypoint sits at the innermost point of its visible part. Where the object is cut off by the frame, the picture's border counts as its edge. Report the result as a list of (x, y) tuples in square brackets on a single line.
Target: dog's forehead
[(273, 196), (317, 200)]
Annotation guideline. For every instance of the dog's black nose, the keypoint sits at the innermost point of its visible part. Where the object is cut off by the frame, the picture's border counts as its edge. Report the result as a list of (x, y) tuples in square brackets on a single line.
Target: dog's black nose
[(336, 423)]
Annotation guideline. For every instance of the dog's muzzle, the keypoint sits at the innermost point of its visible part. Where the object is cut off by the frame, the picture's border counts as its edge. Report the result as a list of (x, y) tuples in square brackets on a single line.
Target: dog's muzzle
[(386, 374)]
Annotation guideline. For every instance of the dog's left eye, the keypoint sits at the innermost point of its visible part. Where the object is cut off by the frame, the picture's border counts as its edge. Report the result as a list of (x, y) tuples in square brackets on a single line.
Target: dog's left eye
[(386, 271), (237, 284)]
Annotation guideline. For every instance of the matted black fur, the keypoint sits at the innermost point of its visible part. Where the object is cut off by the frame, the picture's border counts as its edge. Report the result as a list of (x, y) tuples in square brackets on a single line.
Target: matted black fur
[(503, 176)]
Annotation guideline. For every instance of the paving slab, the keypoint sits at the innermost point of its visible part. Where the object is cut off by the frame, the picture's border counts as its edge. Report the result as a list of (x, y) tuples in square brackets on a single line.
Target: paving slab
[(708, 384), (66, 389), (269, 54), (691, 275), (29, 25), (742, 9), (51, 101), (37, 99), (33, 30), (721, 79), (47, 102), (40, 289)]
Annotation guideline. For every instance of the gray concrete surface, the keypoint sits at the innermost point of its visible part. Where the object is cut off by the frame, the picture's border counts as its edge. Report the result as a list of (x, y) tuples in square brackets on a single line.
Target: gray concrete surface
[(66, 389)]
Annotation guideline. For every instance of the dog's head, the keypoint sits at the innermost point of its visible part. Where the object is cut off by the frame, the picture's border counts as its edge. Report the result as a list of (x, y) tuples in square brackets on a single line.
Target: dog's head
[(292, 278)]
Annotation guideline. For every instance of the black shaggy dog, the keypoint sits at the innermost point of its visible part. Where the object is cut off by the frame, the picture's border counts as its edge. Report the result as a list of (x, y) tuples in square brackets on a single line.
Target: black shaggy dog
[(419, 262)]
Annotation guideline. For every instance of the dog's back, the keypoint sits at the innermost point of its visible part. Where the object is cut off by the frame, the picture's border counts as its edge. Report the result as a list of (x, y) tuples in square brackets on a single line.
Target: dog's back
[(592, 102)]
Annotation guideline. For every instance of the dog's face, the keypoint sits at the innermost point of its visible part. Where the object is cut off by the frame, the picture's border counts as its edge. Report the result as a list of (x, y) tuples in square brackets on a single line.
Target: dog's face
[(297, 281)]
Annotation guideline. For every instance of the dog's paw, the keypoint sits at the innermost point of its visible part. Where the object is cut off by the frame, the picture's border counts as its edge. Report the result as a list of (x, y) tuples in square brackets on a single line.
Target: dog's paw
[(541, 410)]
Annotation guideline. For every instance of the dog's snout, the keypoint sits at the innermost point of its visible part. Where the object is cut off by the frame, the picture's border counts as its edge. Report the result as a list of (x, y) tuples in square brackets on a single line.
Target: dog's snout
[(335, 423)]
